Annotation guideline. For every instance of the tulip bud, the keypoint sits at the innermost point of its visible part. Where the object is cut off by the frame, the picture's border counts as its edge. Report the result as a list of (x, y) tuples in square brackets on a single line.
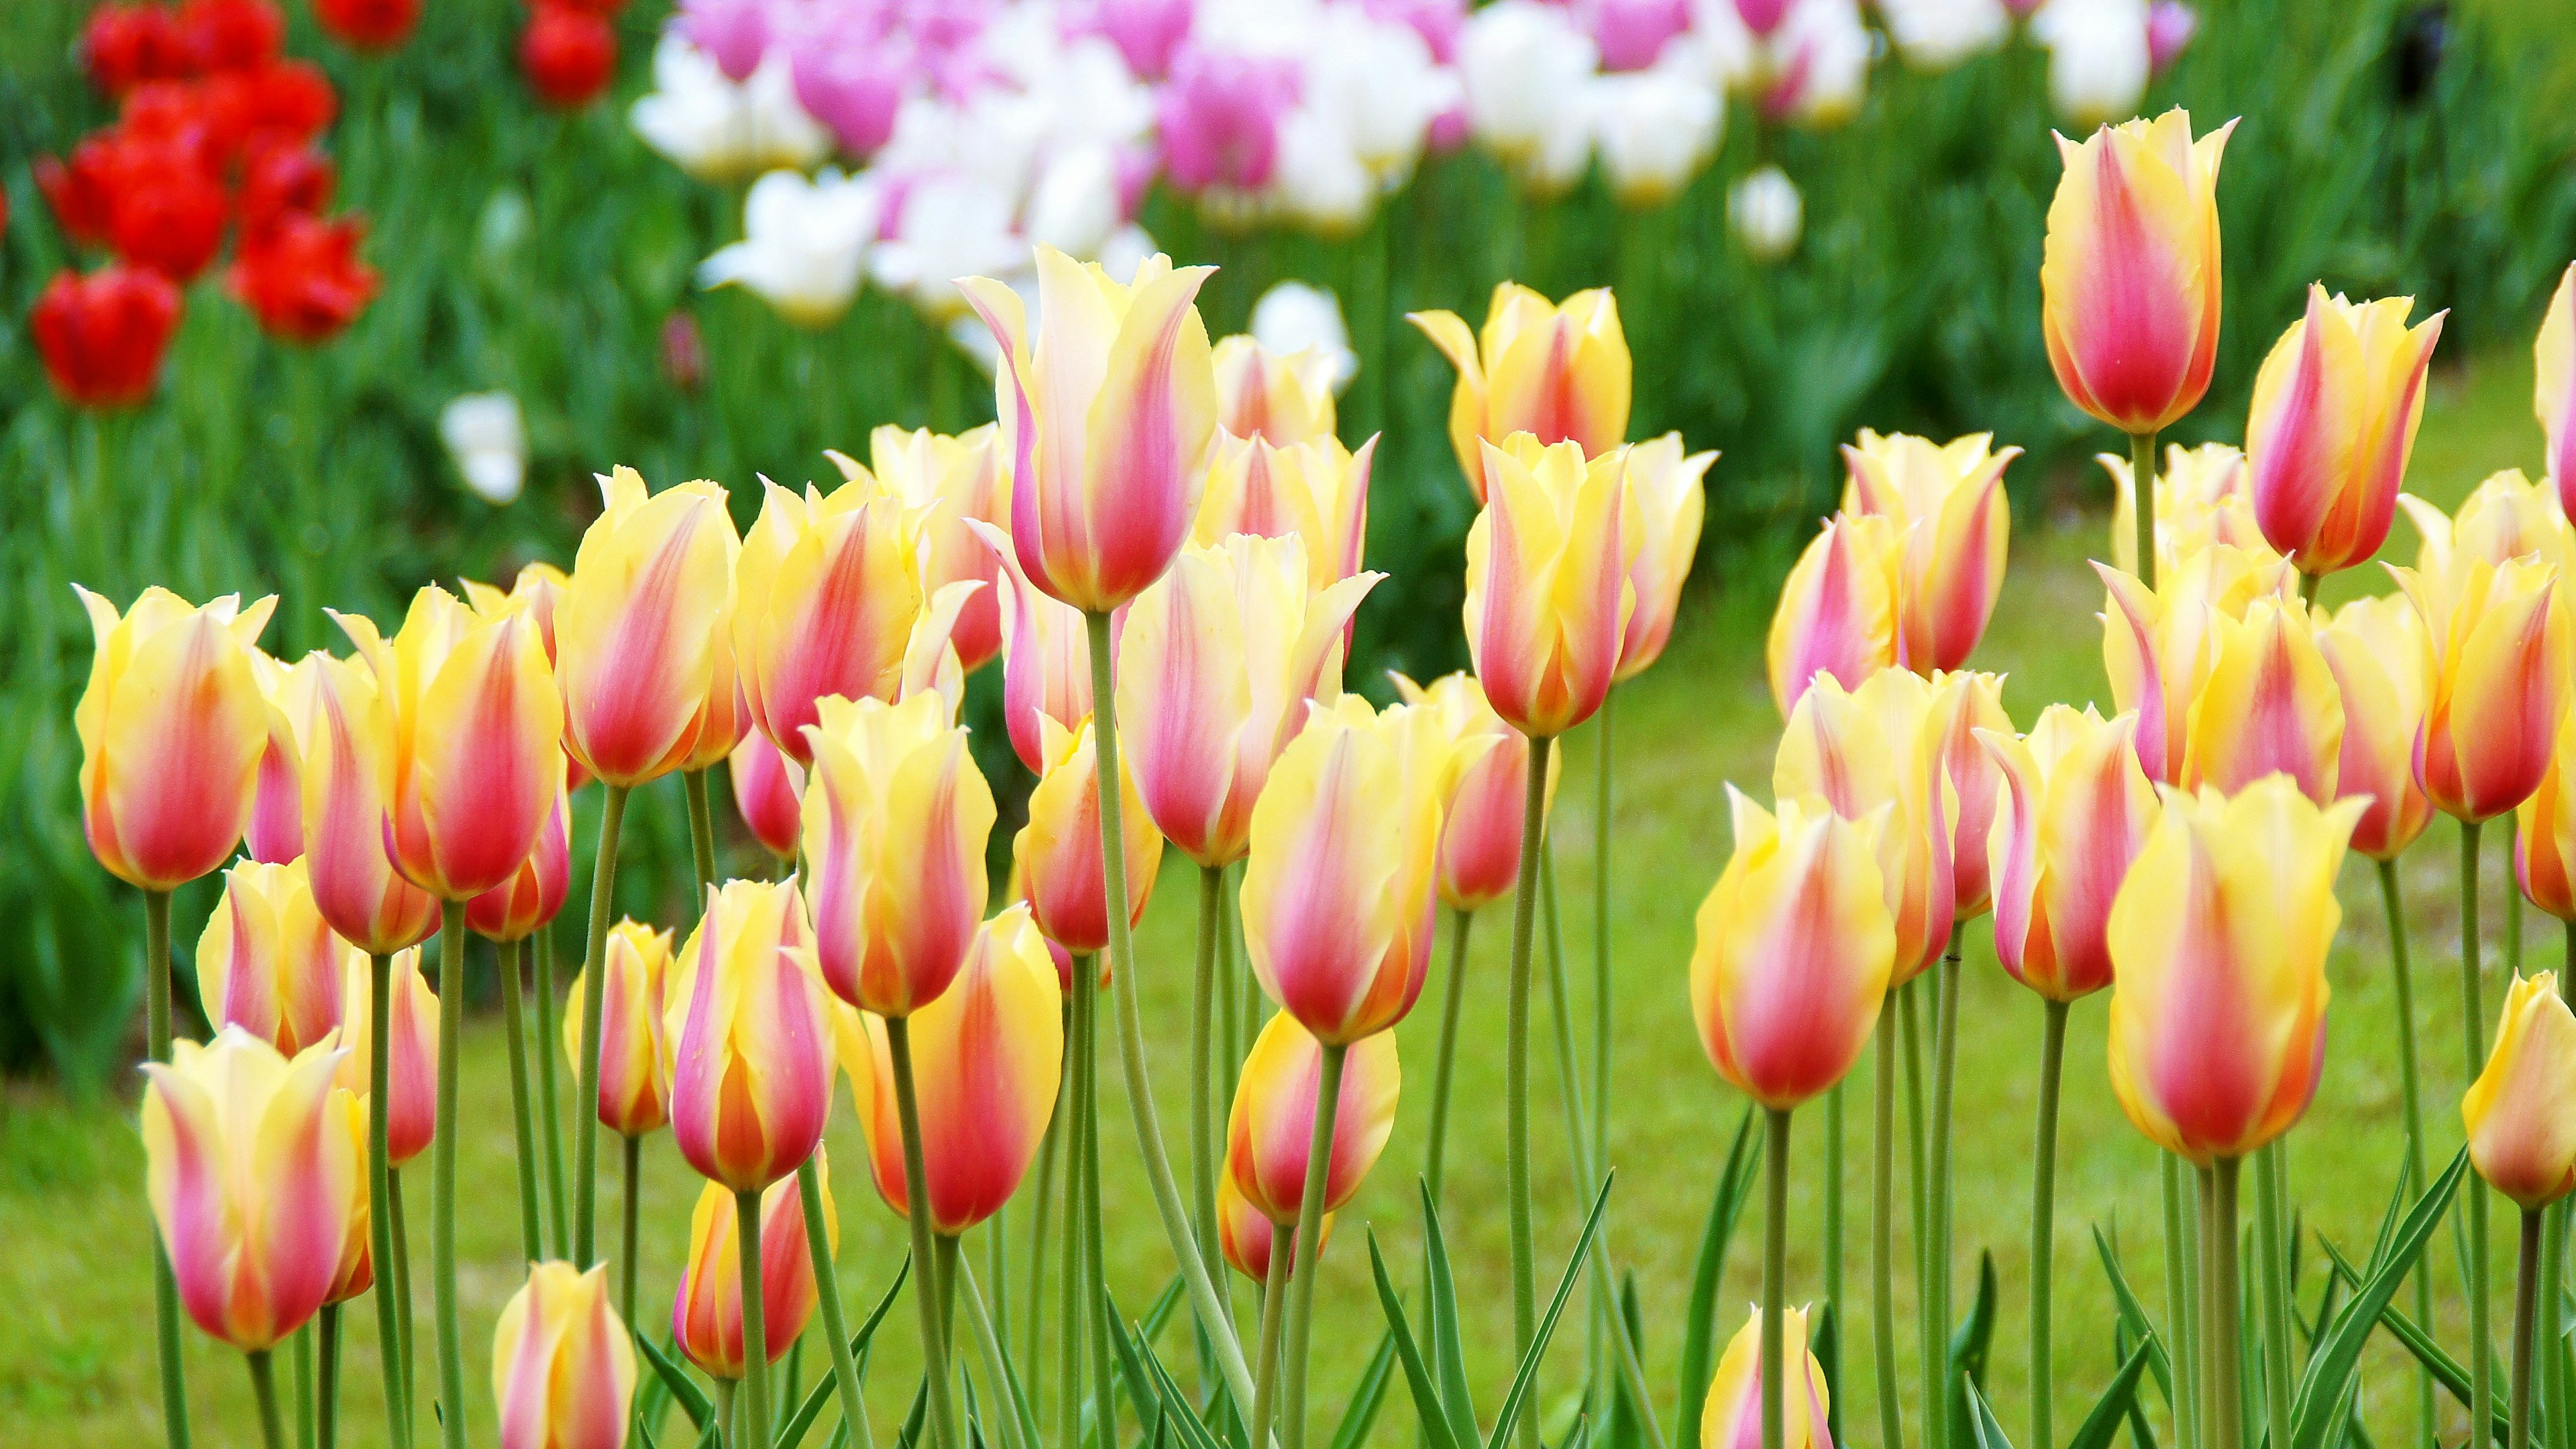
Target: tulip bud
[(538, 590), (531, 898), (769, 788), (562, 1370), (1057, 854), (1953, 523), (745, 1013), (2504, 518), (2218, 940), (356, 1271), (827, 591), (267, 963), (1733, 1415), (1316, 490), (2157, 644), (2267, 704), (895, 823), (641, 629), (1246, 1237), (2333, 419), (249, 1165), (1270, 1131), (2128, 278), (706, 1313), (1217, 663), (947, 482), (987, 1057), (1883, 746), (1837, 616), (2544, 838), (634, 1049), (1796, 943), (1284, 398), (1480, 822), (1046, 659), (275, 833), (1557, 371), (1671, 500), (2074, 812), (2522, 1133), (1549, 592), (1107, 415), (2553, 387), (348, 758), (2383, 669), (477, 731), (172, 726), (1963, 704), (2201, 498), (411, 1053), (2500, 645)]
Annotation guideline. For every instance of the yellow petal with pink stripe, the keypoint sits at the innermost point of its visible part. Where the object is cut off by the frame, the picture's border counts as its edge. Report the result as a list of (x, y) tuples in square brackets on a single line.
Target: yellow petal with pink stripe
[(2267, 704), (1046, 663), (275, 832), (2500, 641), (746, 1015), (706, 1312), (1557, 371), (1672, 501), (2521, 1111), (1283, 397), (2333, 420), (1732, 1418), (2553, 384), (641, 633), (634, 1052), (267, 962), (563, 1372), (2544, 839), (1057, 854), (948, 483), (1549, 592), (768, 792), (2072, 815), (356, 1271), (1316, 490), (2201, 499), (828, 588), (411, 1058), (1270, 1131), (1480, 823), (348, 770), (1837, 616), (2383, 669), (2505, 517), (1953, 524), (1962, 704), (2157, 643), (1248, 1239), (534, 894), (1885, 746)]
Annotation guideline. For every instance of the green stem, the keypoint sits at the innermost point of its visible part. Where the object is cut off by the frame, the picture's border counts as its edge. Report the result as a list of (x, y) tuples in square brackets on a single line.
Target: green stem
[(165, 1284), (2222, 1325), (1453, 994), (300, 1352), (326, 1388), (585, 1135), (1095, 1251), (1882, 1233), (1605, 1311), (263, 1387), (727, 1434), (532, 1241), (702, 827), (1833, 1185), (442, 1176), (827, 1283), (944, 1255), (2473, 1194), (2181, 1313), (2512, 903), (988, 1342), (631, 1151), (1945, 1052), (1775, 1271), (934, 1351), (1049, 1150), (2402, 976), (2271, 1233), (1077, 1302), (550, 1091), (2043, 1221), (755, 1321), (1927, 1327), (1204, 1299), (1274, 1305), (2553, 1363), (997, 1261), (2142, 482), (1230, 995), (1516, 1072), (2526, 1315), (403, 1315), (1310, 1237), (1206, 1149)]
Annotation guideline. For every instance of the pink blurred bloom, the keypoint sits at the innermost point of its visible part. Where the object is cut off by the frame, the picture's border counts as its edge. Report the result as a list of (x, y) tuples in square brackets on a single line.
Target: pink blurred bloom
[(1147, 32), (733, 33), (1221, 116), (2170, 27), (1633, 33)]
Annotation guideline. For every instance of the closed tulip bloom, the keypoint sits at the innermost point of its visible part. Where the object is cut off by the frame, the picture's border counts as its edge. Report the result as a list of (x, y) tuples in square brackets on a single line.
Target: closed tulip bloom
[(2505, 517), (1108, 407), (2074, 812), (478, 730), (1837, 616), (2544, 840), (1270, 1132), (2383, 668), (2268, 703), (356, 1270), (534, 894), (1549, 592), (828, 589), (768, 790), (1733, 1416), (1557, 371), (2129, 276), (267, 963), (1057, 854), (2521, 1111), (1281, 397), (1671, 502), (2201, 498), (896, 817), (1216, 666), (562, 1370), (275, 832), (641, 630), (2157, 644), (348, 760), (746, 1015), (249, 1165), (1480, 823), (948, 482), (539, 590), (2333, 420), (2500, 644), (172, 726), (1962, 704), (411, 1056), (1316, 490), (986, 1060), (1796, 945), (1885, 745), (706, 1312), (2218, 941), (634, 1045), (1046, 658), (1953, 523), (2553, 388), (1246, 1237)]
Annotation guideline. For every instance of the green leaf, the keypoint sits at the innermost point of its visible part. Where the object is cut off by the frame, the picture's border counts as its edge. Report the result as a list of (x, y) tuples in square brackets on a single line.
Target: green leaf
[(2318, 1412), (1161, 1312), (1361, 1412), (1983, 1431), (2446, 1370), (2102, 1424), (910, 1434), (1448, 1358), (2134, 1315), (1968, 1345), (1626, 1429), (693, 1401), (1427, 1405), (1176, 1409), (1131, 1367), (1527, 1373), (792, 1433), (1826, 1343), (1699, 1336)]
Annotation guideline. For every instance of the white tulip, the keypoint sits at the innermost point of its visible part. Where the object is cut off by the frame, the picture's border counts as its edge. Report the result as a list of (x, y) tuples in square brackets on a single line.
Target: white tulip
[(718, 131), (1938, 34), (1074, 206), (952, 225), (1823, 44), (1655, 128), (1766, 212), (489, 441), (804, 245), (1293, 317), (1379, 79), (1321, 181), (1525, 68), (2097, 57)]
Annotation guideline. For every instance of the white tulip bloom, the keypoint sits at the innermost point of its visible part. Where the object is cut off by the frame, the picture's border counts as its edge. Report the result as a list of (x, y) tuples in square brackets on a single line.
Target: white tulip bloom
[(718, 131), (1379, 80), (1656, 128), (489, 441), (949, 226), (1074, 206), (804, 246), (1823, 46), (1938, 34), (1293, 317), (1526, 68), (2097, 57), (1320, 180), (1766, 212)]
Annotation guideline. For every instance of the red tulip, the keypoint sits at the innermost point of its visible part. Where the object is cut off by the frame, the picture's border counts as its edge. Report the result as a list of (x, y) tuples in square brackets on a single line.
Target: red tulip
[(123, 46), (568, 54), (78, 189), (224, 35), (102, 335), (284, 104), (167, 210), (304, 279), (368, 24), (277, 184)]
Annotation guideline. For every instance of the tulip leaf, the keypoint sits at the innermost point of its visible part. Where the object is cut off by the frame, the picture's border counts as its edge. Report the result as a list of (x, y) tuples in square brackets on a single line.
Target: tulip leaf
[(1979, 1418), (1131, 1369), (2446, 1370), (1527, 1373), (910, 1434), (1361, 1413), (1161, 1313), (793, 1431), (1699, 1339), (1448, 1357), (693, 1401), (1968, 1345), (2320, 1409), (2133, 1314), (2140, 1435), (1428, 1407), (1175, 1408), (1580, 1436), (1626, 1432), (2102, 1423)]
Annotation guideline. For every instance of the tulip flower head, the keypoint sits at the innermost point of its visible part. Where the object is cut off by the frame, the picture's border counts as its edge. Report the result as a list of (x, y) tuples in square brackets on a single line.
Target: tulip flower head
[(1557, 371), (2129, 276), (562, 1370), (1046, 657), (1962, 704), (1480, 822), (249, 1163), (768, 790), (534, 895), (1283, 398), (1317, 490), (1671, 501), (2073, 813), (2158, 644), (356, 1271), (1887, 745), (2500, 642), (267, 963), (411, 1054), (102, 336), (1733, 1416), (1270, 1131), (1838, 611), (1549, 581), (1248, 1239), (986, 1060), (2522, 1133), (2333, 420), (2553, 388), (2218, 941), (172, 725), (2504, 518), (2383, 669), (1217, 664), (947, 482), (275, 832), (1108, 408), (828, 588), (1057, 854), (706, 1312), (348, 758), (634, 1045), (2544, 839), (1796, 944), (2201, 498), (746, 1013), (1953, 523), (2267, 704), (642, 637)]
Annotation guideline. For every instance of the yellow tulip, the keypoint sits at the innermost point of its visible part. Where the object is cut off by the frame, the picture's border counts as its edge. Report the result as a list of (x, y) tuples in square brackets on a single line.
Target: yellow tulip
[(830, 586), (267, 963), (642, 635), (411, 1050), (1549, 588), (706, 1312), (2544, 841), (1316, 490), (634, 1051), (1881, 747), (562, 1370), (1283, 397), (1057, 854), (1046, 658), (2383, 669), (2268, 703), (2073, 813), (2521, 1111), (2157, 644), (2500, 641), (274, 834), (2334, 415), (947, 482), (1270, 1130), (1837, 617), (747, 1020), (1964, 703), (1557, 371), (1480, 822), (1671, 502), (2201, 499), (1732, 1418), (347, 764), (2553, 384), (2506, 517), (1953, 522)]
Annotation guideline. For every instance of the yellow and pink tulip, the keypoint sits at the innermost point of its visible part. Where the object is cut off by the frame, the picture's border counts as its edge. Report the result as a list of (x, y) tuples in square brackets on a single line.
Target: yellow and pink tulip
[(947, 482), (1732, 1418), (2334, 415), (634, 1050), (1057, 855), (2202, 498), (1838, 611), (748, 1021), (1549, 588), (268, 963), (1884, 746), (348, 760), (563, 1373), (2157, 643), (275, 832), (534, 895), (706, 1311), (2268, 703), (1284, 398), (1046, 658), (1480, 823), (1557, 371), (2073, 814), (1671, 495), (2383, 669), (411, 1050), (2520, 1113), (2500, 639), (641, 633), (2553, 386), (768, 792), (1270, 1131), (1953, 525), (829, 587), (1316, 490)]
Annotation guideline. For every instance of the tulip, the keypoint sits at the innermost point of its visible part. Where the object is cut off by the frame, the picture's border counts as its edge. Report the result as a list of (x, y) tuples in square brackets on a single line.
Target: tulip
[(641, 629), (2553, 387), (895, 822), (1671, 500), (1316, 490), (568, 54), (267, 963), (2157, 642), (531, 898), (172, 726), (1046, 659), (1837, 616), (768, 789), (348, 755), (2504, 518), (1283, 398), (1272, 1124), (1480, 829), (275, 832), (1962, 704), (634, 1049), (707, 1311), (829, 587), (2074, 812), (249, 1164), (1549, 590), (2267, 704), (2334, 415), (2522, 1137), (749, 1031), (1881, 746), (986, 1059), (950, 481), (2382, 665), (1557, 371), (562, 1370), (2201, 499), (356, 1271), (102, 336), (1733, 1416), (411, 1050), (1057, 854), (2500, 644), (487, 439), (1250, 1241), (1108, 449), (2544, 841), (1953, 521), (1766, 212), (302, 277)]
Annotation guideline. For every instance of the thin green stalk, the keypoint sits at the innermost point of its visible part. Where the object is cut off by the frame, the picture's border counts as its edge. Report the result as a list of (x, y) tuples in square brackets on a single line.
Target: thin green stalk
[(1945, 1052), (702, 827), (1927, 1327), (442, 1176), (1833, 1185), (1453, 995), (827, 1282), (988, 1342), (934, 1349), (1076, 1301), (2142, 480), (300, 1352), (585, 1135), (2402, 976), (1882, 1249), (1231, 992), (2473, 1193), (2526, 1317), (1516, 1074), (326, 1389), (1206, 1149), (403, 1314), (1605, 1319), (2181, 1314), (2222, 1324), (1310, 1224), (165, 1284), (2043, 1221), (1050, 1149), (631, 1152), (532, 1240), (1095, 1252), (263, 1387), (727, 1431), (2553, 1363), (550, 1091), (2512, 902), (997, 1261), (1274, 1305), (1775, 1270), (1204, 1299), (755, 1319), (944, 1249), (2271, 1234)]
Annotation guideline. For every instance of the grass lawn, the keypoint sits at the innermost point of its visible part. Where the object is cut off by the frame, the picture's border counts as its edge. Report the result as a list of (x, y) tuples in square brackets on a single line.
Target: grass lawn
[(77, 1367)]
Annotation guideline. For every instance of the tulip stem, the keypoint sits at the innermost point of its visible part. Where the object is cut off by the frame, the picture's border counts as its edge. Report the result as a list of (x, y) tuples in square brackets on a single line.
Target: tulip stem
[(1049, 1149), (1095, 1250), (2526, 1315), (1945, 1050), (2271, 1219), (1077, 1278), (402, 1305), (925, 1256), (2043, 1221), (2512, 902), (631, 1150), (585, 1134), (1274, 1310), (1605, 1296), (165, 1285), (827, 1281), (1453, 995), (754, 1427), (988, 1342), (442, 1176), (1516, 1071), (2222, 1326), (702, 827), (1775, 1269), (2473, 1195), (1882, 1234), (2142, 486), (2182, 1320), (263, 1387), (1310, 1238), (532, 1241), (997, 1261), (1935, 1416), (326, 1383), (944, 1249), (1205, 1150), (550, 1089), (728, 1431), (1833, 1194), (1204, 1299), (2402, 975), (300, 1350)]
